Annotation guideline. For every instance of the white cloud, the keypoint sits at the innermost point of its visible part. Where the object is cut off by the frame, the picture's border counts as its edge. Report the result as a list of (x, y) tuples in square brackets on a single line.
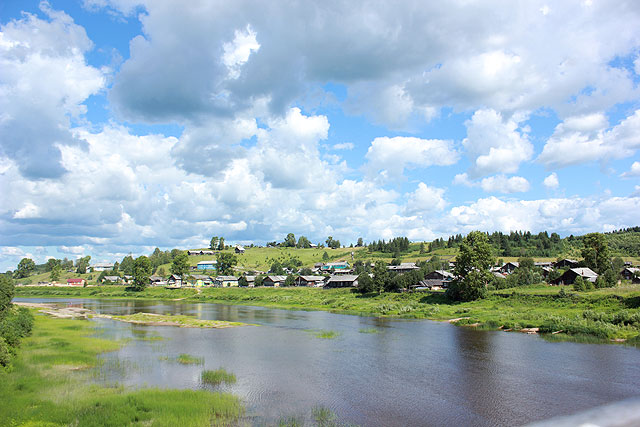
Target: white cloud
[(494, 144), (495, 184), (344, 146), (426, 199), (551, 181), (237, 52), (390, 156), (585, 139), (634, 171)]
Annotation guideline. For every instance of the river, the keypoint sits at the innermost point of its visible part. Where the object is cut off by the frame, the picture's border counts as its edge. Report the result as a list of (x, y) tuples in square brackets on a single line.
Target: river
[(375, 372)]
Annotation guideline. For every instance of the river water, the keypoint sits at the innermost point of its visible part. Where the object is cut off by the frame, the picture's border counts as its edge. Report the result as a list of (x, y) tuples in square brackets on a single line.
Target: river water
[(376, 372)]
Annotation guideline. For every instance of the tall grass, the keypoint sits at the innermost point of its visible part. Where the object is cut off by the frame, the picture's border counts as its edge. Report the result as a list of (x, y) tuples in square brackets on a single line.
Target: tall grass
[(218, 376)]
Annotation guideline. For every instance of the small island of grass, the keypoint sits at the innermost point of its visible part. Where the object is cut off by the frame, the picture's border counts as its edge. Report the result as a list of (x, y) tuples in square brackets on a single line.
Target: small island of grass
[(174, 320)]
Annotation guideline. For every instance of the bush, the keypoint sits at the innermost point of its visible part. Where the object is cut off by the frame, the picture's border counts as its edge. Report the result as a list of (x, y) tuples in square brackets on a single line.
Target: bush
[(5, 353)]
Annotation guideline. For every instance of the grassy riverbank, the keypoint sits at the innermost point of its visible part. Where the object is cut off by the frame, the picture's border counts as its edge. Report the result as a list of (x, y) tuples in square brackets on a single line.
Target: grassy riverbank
[(51, 383), (607, 314)]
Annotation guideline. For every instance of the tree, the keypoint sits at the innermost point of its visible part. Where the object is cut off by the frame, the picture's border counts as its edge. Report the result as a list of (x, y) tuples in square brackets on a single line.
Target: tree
[(180, 265), (617, 264), (472, 268), (54, 276), (422, 248), (360, 242), (141, 272), (213, 245), (381, 277), (243, 282), (25, 268), (221, 244), (596, 252), (325, 256), (126, 266), (365, 283), (6, 294), (276, 268), (290, 241), (290, 280), (226, 262), (51, 262), (303, 242), (82, 264)]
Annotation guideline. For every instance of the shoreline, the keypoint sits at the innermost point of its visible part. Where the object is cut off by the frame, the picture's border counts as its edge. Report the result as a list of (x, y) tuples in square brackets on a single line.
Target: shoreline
[(581, 318)]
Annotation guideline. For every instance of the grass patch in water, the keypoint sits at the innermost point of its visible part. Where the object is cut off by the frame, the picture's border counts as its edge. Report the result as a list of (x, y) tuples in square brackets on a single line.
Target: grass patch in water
[(50, 383), (369, 331), (218, 376), (327, 335), (187, 359), (175, 320)]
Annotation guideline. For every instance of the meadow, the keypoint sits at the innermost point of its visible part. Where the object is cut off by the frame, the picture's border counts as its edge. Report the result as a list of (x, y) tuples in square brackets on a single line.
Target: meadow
[(52, 382)]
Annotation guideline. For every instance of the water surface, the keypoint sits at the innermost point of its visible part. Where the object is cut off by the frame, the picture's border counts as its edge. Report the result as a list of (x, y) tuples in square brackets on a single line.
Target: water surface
[(407, 373)]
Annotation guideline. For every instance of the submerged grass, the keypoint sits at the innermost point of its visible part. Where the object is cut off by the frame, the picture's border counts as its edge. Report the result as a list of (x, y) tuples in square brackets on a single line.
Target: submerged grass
[(175, 320), (537, 306), (369, 331), (187, 359), (50, 383), (326, 334), (218, 376)]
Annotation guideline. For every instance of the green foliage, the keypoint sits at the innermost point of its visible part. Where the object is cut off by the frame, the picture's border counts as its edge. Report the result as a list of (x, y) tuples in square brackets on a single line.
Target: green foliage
[(56, 270), (213, 244), (579, 284), (82, 264), (180, 264), (242, 281), (15, 325), (365, 284), (25, 268), (141, 272), (325, 256), (290, 280), (472, 268), (276, 268), (303, 242), (596, 252), (333, 244), (290, 241), (396, 245), (226, 262), (126, 266), (7, 291)]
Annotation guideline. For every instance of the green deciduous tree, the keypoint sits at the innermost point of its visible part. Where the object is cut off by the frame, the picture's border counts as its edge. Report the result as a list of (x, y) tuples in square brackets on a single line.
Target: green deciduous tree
[(226, 262), (82, 264), (25, 268), (221, 244), (180, 264), (472, 268), (289, 241), (596, 252), (213, 245), (303, 242), (54, 275), (141, 272), (6, 294)]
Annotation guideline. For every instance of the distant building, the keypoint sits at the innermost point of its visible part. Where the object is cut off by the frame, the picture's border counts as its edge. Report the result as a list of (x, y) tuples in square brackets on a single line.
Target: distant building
[(405, 267), (340, 265), (239, 249), (225, 281), (174, 281), (314, 281), (572, 274), (102, 267), (509, 267), (275, 281), (565, 263), (207, 265), (157, 281), (435, 280), (112, 279), (630, 273), (200, 252), (342, 281), (76, 282), (251, 281)]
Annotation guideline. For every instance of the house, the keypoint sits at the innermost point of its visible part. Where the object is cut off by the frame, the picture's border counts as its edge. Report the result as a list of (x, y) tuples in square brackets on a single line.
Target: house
[(200, 252), (630, 273), (102, 267), (342, 281), (174, 281), (335, 266), (313, 246), (570, 276), (275, 281), (251, 281), (543, 264), (207, 265), (225, 281), (76, 282), (509, 267), (202, 280), (157, 281), (315, 281), (405, 267), (565, 263), (239, 249), (112, 279), (438, 279)]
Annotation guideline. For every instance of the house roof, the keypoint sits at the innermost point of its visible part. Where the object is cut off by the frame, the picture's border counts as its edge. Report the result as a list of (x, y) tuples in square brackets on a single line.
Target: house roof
[(312, 278), (584, 272), (227, 278), (201, 277), (155, 278), (343, 278), (276, 278), (250, 278), (112, 278), (74, 280), (404, 266), (445, 273), (208, 262), (102, 265), (330, 264)]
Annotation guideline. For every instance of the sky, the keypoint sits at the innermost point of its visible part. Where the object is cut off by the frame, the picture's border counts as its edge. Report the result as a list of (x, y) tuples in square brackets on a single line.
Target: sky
[(127, 125)]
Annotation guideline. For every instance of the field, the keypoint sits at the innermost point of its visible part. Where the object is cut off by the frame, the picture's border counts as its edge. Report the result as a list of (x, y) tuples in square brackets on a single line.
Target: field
[(606, 314), (52, 383)]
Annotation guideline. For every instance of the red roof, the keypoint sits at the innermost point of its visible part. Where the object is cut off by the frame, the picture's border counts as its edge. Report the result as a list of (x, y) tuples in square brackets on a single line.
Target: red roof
[(75, 280)]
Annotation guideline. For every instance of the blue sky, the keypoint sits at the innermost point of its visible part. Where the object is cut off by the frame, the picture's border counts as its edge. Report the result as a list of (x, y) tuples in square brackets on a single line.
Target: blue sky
[(127, 125)]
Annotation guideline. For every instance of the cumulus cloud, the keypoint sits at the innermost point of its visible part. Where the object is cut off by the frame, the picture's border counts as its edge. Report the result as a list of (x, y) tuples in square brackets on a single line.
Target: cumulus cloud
[(585, 139), (551, 181), (634, 171), (495, 184), (495, 144), (426, 199), (45, 78), (390, 156), (344, 146)]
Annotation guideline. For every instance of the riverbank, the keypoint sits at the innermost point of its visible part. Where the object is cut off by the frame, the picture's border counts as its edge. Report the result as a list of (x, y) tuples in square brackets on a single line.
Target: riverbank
[(609, 315), (51, 382)]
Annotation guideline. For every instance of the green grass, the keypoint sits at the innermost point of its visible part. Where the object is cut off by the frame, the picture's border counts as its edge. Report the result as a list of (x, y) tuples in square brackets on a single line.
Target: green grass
[(175, 320), (327, 335), (516, 308), (218, 376), (369, 331), (51, 383), (187, 359)]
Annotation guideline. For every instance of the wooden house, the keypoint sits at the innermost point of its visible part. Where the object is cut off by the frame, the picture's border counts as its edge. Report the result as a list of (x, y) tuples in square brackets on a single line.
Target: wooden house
[(312, 281), (342, 281), (275, 281), (570, 276)]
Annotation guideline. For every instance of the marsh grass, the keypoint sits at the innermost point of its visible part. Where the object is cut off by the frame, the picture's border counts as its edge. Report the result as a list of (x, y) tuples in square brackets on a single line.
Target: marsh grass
[(52, 382), (187, 359), (370, 331), (218, 376)]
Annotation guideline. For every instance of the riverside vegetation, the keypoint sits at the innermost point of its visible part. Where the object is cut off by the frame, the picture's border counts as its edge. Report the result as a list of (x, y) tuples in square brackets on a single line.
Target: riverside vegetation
[(51, 382)]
